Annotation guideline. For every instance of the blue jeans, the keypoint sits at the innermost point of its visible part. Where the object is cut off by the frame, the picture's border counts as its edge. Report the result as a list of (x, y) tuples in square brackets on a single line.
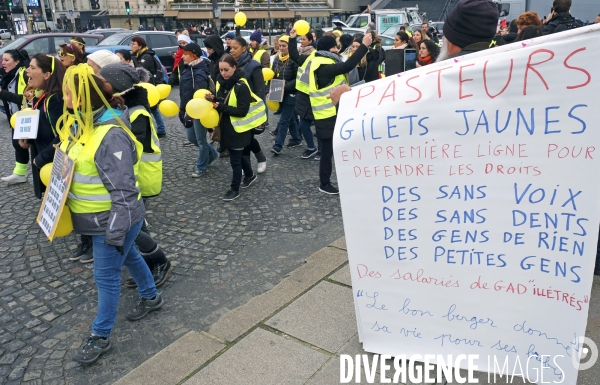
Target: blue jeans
[(197, 136), (108, 263), (160, 125), (287, 119), (308, 135)]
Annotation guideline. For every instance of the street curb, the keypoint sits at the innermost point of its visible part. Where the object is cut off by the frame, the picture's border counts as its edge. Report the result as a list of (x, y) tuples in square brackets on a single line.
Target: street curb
[(183, 357)]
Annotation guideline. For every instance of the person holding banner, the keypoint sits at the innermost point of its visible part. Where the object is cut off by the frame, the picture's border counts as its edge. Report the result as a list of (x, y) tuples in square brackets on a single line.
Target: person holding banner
[(12, 88), (105, 201), (469, 27), (46, 75), (123, 79), (285, 69)]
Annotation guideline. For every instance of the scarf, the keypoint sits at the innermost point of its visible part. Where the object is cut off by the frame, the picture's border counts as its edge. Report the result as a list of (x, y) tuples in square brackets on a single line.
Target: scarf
[(425, 60), (335, 57), (9, 77), (306, 50), (283, 58), (141, 51)]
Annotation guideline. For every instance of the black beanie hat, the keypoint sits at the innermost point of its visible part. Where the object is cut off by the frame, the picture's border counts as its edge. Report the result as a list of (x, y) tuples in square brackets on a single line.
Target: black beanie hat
[(470, 22), (326, 43)]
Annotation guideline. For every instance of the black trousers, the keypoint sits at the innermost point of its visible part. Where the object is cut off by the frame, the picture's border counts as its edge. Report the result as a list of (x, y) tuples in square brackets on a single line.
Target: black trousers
[(239, 162), (21, 154), (326, 163), (254, 146)]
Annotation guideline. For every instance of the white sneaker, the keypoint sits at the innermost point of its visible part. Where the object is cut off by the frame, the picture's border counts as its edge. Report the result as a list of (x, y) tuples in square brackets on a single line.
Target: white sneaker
[(262, 166), (15, 178)]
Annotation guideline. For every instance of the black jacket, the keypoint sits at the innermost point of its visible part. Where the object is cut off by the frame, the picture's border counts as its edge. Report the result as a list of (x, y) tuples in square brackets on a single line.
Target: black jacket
[(561, 22), (325, 75), (303, 108), (229, 137), (42, 150), (140, 127), (193, 78), (6, 95), (146, 60), (214, 42), (375, 57), (252, 73), (287, 71)]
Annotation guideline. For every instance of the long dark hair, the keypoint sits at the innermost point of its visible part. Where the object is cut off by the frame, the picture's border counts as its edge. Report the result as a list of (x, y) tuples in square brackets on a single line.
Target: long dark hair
[(19, 56), (530, 32), (75, 50), (50, 64), (434, 50)]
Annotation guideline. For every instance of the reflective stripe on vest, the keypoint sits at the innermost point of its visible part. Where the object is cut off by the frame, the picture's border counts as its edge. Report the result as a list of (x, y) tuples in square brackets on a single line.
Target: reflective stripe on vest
[(21, 83), (257, 114), (150, 170), (302, 78), (322, 105), (87, 193)]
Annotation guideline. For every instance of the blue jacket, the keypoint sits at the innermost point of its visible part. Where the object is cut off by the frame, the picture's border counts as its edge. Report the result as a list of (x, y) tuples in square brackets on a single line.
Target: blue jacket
[(193, 77)]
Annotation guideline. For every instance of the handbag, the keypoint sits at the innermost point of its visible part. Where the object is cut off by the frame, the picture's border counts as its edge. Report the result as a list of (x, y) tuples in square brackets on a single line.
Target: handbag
[(186, 120)]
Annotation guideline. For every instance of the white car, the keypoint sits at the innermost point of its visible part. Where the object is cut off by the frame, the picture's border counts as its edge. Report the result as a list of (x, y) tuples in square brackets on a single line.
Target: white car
[(4, 34)]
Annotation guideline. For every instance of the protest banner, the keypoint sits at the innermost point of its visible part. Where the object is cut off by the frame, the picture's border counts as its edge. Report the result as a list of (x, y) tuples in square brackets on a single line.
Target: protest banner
[(470, 197), (56, 193)]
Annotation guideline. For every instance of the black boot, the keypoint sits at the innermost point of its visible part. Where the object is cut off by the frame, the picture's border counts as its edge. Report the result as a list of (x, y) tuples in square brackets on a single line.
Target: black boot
[(84, 247)]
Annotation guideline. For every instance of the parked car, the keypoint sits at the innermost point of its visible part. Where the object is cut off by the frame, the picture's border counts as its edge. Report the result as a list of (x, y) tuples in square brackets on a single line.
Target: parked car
[(111, 48), (4, 34), (49, 42), (163, 43), (106, 32)]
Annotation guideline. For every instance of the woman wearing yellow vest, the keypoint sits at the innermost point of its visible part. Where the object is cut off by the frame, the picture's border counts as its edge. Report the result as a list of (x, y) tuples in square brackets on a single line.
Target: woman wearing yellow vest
[(105, 201), (240, 111), (12, 87), (123, 78), (258, 50)]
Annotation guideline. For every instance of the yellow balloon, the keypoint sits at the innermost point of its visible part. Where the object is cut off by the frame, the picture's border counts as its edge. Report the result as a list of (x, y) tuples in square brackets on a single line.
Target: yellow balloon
[(268, 74), (201, 93), (240, 19), (198, 108), (168, 108), (211, 119), (163, 90), (65, 224), (45, 173), (272, 105), (13, 121), (302, 27), (153, 94)]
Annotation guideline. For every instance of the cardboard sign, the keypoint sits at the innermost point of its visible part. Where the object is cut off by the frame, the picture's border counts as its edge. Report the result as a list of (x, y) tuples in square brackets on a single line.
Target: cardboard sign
[(56, 193), (27, 124), (470, 197), (276, 90)]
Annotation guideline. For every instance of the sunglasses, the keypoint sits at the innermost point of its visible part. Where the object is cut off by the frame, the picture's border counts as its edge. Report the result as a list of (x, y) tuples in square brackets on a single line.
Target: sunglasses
[(63, 54)]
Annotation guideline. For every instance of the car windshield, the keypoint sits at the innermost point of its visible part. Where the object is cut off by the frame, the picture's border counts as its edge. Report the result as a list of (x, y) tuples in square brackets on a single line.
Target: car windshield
[(14, 45), (392, 31), (114, 39)]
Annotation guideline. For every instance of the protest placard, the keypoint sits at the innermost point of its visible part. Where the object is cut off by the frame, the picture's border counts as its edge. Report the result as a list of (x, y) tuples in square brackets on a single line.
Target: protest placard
[(56, 193), (276, 90), (26, 126), (470, 198)]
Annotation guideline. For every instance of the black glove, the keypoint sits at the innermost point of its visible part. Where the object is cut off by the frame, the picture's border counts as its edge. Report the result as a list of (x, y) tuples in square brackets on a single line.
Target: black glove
[(120, 250), (171, 81)]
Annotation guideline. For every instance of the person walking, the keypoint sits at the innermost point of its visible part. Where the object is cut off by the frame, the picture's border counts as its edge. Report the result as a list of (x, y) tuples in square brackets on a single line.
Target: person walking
[(233, 100), (145, 58), (326, 71), (252, 72), (258, 50), (14, 82), (123, 79), (285, 69), (195, 76), (115, 218)]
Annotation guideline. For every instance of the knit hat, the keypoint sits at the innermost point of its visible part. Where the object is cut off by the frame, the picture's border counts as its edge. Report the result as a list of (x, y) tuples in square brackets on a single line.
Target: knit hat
[(140, 41), (230, 35), (284, 38), (326, 43), (103, 57), (256, 36), (193, 48), (470, 22), (185, 38), (121, 76)]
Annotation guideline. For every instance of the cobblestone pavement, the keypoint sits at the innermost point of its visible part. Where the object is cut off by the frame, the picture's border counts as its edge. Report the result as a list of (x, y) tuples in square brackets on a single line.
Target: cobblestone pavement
[(224, 254)]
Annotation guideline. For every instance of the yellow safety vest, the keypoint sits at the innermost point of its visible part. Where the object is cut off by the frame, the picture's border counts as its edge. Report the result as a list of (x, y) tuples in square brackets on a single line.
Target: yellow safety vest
[(150, 169), (87, 193), (258, 55), (257, 114), (303, 72), (322, 106), (21, 83)]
